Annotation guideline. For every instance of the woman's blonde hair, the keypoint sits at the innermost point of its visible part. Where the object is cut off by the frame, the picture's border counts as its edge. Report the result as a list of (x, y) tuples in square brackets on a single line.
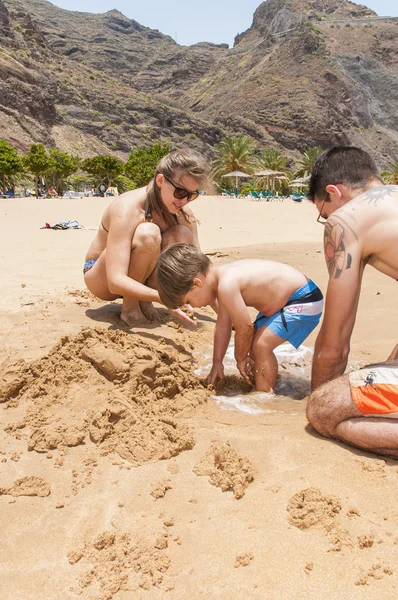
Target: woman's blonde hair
[(185, 161)]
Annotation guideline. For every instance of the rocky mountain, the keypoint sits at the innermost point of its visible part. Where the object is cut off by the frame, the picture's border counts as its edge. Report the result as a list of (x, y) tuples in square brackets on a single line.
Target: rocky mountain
[(307, 72)]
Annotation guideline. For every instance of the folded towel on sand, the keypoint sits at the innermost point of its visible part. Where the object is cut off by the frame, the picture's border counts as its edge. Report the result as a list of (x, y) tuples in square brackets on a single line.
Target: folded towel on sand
[(71, 224)]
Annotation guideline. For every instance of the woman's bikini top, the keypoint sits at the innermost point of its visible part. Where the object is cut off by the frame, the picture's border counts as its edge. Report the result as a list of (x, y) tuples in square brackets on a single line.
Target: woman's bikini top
[(147, 218)]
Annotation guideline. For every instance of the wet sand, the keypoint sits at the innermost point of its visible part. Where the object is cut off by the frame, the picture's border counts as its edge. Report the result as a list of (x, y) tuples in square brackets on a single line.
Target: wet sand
[(121, 476)]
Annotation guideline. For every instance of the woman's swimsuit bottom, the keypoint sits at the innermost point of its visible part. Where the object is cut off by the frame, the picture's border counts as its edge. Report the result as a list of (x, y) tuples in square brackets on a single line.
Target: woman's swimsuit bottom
[(297, 319), (147, 219)]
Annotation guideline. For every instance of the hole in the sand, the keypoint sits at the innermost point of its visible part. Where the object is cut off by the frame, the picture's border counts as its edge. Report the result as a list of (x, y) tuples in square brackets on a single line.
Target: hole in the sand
[(114, 418), (233, 394)]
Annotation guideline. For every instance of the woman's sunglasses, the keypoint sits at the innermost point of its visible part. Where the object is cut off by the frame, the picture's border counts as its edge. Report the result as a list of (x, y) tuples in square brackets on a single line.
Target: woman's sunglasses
[(181, 193)]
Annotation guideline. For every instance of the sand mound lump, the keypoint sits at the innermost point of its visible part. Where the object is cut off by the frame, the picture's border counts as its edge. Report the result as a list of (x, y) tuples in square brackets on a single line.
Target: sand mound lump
[(110, 388), (310, 507), (28, 486), (226, 469), (116, 558)]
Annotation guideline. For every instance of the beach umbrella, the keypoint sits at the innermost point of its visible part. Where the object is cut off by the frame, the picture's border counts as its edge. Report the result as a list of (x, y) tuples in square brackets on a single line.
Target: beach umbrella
[(302, 180), (270, 174), (238, 175)]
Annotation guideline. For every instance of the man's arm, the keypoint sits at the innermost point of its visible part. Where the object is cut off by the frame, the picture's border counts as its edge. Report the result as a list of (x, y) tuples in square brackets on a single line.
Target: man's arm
[(343, 259), (230, 296)]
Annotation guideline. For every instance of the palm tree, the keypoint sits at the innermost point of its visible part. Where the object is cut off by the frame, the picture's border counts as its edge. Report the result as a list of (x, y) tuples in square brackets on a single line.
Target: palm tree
[(390, 176), (273, 159), (307, 161), (234, 153)]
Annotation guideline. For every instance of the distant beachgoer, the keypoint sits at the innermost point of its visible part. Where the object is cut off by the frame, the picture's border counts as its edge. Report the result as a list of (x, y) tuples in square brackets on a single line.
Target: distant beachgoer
[(136, 226), (361, 227), (290, 306), (51, 192)]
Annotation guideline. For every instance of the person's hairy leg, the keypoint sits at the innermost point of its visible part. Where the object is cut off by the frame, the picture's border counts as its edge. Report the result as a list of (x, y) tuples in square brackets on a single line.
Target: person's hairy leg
[(332, 412), (376, 434)]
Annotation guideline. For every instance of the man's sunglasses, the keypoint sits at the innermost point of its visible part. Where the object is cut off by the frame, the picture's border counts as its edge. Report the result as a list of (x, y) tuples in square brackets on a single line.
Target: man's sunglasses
[(321, 219), (181, 193)]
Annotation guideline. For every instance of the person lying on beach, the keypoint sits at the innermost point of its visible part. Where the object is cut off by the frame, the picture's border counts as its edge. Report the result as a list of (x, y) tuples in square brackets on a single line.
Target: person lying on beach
[(361, 227), (120, 261), (290, 306)]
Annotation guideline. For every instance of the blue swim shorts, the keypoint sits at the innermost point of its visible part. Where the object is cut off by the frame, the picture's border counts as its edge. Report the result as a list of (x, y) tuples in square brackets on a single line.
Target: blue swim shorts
[(89, 265), (295, 321)]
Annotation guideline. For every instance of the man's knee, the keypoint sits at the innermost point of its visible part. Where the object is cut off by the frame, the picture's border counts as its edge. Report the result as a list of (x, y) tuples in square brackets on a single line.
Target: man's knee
[(147, 235), (318, 411), (329, 405)]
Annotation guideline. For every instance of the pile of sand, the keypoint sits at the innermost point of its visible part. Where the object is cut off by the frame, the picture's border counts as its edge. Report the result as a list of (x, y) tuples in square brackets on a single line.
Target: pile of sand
[(226, 469), (115, 557), (110, 388)]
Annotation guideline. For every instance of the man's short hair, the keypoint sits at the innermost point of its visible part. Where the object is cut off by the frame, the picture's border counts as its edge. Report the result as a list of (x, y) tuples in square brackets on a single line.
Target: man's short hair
[(177, 267), (348, 165)]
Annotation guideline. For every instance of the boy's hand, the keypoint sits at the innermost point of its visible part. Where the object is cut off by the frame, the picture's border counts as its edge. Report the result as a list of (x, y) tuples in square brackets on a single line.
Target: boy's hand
[(245, 369), (217, 372), (181, 315)]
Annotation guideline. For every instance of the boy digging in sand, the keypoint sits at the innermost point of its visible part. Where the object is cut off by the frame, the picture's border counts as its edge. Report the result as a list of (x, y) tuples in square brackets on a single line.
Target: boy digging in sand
[(290, 306)]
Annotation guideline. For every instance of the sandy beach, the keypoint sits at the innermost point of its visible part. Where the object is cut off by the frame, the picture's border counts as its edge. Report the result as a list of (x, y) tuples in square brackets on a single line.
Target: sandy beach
[(122, 476)]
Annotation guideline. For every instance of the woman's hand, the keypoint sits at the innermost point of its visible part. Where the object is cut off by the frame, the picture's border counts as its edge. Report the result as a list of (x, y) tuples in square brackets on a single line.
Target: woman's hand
[(183, 314), (217, 372)]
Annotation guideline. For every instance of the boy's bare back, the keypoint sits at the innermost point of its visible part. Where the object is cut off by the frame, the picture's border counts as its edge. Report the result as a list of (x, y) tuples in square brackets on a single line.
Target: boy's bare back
[(264, 284)]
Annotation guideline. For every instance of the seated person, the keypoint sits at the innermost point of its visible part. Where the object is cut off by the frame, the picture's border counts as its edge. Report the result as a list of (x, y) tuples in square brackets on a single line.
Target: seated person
[(290, 306), (136, 226), (360, 408)]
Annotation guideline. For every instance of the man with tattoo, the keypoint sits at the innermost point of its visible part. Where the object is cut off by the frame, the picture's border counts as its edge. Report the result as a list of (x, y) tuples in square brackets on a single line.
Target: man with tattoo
[(360, 216)]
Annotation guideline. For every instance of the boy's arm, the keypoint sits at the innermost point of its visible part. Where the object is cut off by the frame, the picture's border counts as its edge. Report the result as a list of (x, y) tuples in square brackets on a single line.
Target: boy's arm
[(230, 296), (222, 335)]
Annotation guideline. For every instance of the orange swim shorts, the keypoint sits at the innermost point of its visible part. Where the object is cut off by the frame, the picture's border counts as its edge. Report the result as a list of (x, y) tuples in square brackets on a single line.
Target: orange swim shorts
[(374, 390)]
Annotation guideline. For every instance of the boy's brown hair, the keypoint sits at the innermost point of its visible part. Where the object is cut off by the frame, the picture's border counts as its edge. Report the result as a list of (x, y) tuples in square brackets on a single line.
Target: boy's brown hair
[(177, 267)]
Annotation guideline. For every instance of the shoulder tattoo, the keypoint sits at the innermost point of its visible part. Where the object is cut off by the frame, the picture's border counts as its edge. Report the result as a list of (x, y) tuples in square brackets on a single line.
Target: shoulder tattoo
[(336, 256), (374, 195)]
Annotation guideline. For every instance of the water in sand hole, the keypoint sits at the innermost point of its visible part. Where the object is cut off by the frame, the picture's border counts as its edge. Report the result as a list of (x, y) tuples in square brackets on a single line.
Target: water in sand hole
[(292, 387)]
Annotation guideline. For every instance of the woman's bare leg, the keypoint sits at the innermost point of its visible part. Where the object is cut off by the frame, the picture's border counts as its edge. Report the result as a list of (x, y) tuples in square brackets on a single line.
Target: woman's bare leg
[(144, 255), (179, 234), (265, 363)]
